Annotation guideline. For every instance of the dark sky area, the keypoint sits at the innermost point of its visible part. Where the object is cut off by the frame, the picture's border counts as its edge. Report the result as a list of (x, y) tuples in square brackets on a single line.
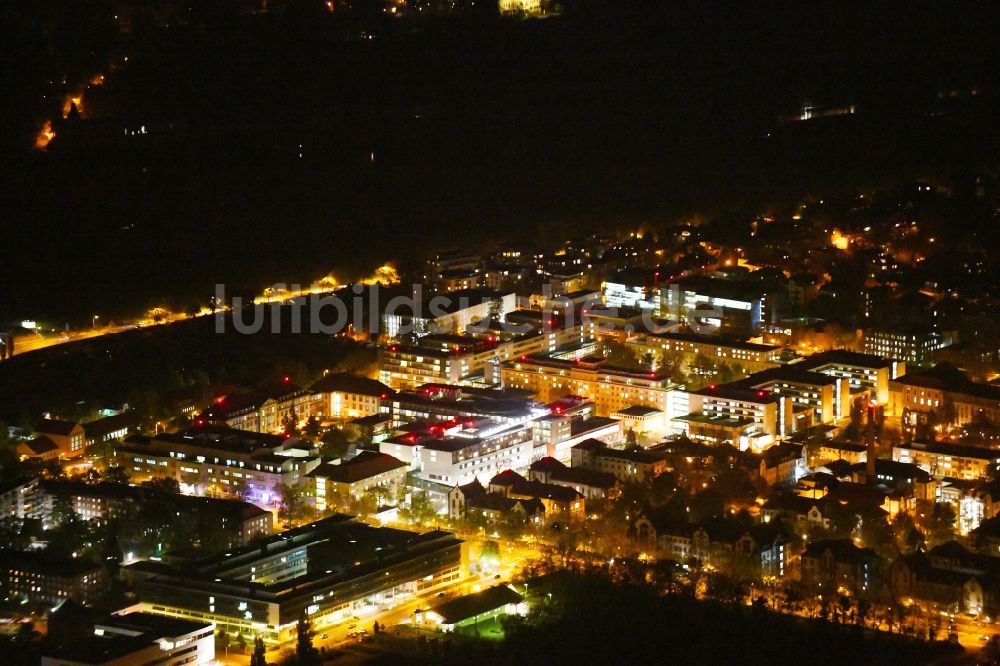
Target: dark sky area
[(612, 115)]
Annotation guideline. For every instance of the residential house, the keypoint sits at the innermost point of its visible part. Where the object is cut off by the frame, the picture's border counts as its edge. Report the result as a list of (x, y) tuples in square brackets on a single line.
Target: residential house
[(589, 483), (839, 563), (782, 464), (40, 448), (724, 543), (628, 466), (560, 502)]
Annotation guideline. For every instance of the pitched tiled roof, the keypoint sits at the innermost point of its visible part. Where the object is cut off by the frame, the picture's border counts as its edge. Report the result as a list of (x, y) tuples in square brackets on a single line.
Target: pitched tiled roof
[(55, 427), (40, 445), (362, 466), (477, 603), (351, 383), (843, 550)]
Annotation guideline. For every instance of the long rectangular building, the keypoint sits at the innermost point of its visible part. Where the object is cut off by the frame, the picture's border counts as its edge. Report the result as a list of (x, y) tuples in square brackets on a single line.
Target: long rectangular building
[(947, 459), (611, 389), (945, 391), (457, 452), (331, 570), (466, 359), (751, 356), (219, 462)]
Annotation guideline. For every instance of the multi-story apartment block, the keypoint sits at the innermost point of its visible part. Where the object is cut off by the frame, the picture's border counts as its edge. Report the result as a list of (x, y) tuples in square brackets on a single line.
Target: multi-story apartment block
[(37, 578), (444, 402), (912, 346), (264, 411), (744, 417), (945, 391), (239, 521), (611, 389), (219, 462), (751, 356), (755, 411), (943, 459), (466, 359), (628, 466)]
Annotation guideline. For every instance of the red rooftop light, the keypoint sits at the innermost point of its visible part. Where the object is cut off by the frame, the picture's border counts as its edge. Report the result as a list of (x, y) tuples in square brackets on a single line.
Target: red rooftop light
[(712, 387), (286, 379)]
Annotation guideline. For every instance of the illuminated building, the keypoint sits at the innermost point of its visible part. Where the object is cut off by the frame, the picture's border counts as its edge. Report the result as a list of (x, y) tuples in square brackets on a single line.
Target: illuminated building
[(219, 462), (331, 570), (941, 390), (752, 357), (134, 639), (465, 359), (40, 448), (632, 288), (741, 416), (483, 606), (591, 484), (723, 543), (347, 396), (863, 371), (628, 466), (352, 479), (263, 412), (240, 522), (840, 563), (950, 460), (110, 428), (18, 497), (526, 7), (641, 420), (610, 389), (37, 578), (444, 402), (453, 262), (450, 312), (755, 411), (456, 452), (568, 422), (69, 436), (912, 346), (560, 502), (715, 302)]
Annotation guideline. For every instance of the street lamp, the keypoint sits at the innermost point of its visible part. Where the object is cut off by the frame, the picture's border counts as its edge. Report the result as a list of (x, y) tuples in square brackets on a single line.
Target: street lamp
[(93, 321)]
